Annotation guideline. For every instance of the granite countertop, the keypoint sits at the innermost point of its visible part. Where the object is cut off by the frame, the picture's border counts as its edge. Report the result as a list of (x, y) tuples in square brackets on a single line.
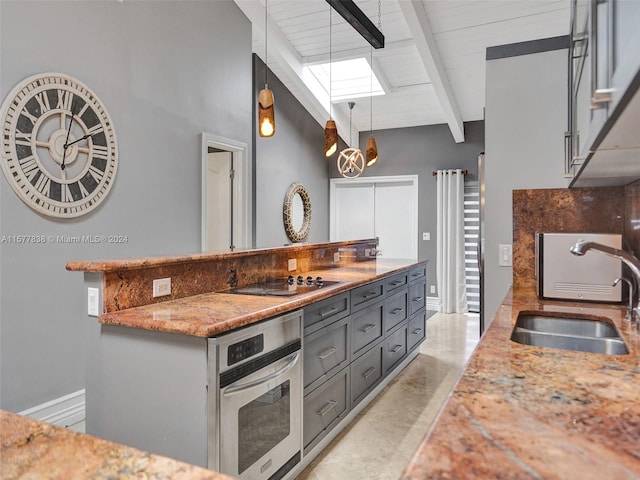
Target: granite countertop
[(211, 314), (33, 449), (530, 412)]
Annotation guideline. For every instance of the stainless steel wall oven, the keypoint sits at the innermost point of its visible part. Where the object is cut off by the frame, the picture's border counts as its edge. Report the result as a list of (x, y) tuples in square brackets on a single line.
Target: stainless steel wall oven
[(257, 400)]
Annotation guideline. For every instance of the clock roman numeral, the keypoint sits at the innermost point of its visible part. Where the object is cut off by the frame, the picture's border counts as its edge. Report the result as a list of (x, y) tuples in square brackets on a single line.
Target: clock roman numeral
[(29, 166), (43, 100), (66, 193), (43, 185), (96, 173), (23, 138), (27, 114), (100, 152), (95, 130), (65, 99)]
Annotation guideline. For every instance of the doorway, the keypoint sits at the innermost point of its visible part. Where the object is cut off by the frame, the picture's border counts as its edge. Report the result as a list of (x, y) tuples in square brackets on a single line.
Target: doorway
[(226, 219), (383, 207)]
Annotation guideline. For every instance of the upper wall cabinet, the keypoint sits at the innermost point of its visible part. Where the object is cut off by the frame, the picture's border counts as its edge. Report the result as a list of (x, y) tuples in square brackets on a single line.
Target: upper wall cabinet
[(604, 98)]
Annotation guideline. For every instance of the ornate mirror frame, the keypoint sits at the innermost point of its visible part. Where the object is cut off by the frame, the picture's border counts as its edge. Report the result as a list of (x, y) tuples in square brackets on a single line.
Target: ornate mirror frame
[(297, 236)]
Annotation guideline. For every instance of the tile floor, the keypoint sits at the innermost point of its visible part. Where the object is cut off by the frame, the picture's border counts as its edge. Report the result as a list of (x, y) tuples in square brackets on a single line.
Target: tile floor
[(380, 441)]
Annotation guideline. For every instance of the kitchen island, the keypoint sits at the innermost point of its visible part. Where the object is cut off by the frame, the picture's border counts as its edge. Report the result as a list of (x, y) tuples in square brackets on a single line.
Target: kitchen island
[(520, 411)]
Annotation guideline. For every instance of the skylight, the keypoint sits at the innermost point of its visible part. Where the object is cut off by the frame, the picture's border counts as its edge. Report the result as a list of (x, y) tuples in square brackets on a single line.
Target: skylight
[(350, 78)]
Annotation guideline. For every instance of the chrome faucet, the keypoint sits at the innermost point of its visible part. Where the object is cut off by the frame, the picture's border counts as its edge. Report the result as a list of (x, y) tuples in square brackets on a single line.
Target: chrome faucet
[(582, 247), (630, 284)]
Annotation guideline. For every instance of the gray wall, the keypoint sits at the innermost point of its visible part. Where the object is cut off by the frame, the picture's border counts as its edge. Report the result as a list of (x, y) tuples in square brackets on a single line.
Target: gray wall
[(166, 71), (420, 151), (293, 154), (525, 120)]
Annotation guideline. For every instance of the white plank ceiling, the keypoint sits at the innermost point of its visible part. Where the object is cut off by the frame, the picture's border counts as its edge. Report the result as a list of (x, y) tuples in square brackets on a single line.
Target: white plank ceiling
[(433, 63)]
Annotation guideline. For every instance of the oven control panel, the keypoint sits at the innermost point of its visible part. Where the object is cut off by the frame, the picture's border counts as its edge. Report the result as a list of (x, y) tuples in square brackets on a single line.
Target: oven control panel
[(237, 352)]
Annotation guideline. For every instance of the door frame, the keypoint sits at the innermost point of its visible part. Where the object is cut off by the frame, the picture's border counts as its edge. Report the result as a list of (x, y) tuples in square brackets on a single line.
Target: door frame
[(335, 183), (242, 190)]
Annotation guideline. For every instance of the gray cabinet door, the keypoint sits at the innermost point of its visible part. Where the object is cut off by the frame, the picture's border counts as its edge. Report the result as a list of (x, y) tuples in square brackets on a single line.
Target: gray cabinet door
[(417, 297), (416, 331), (395, 310), (325, 312), (366, 372), (367, 294), (325, 352), (395, 348), (324, 408), (366, 328)]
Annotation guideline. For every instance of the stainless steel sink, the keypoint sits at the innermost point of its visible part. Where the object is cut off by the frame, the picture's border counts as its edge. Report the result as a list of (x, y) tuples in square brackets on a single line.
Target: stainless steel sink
[(584, 334)]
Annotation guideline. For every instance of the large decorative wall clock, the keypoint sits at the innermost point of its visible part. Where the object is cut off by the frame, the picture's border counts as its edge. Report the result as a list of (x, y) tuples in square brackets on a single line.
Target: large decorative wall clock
[(59, 147)]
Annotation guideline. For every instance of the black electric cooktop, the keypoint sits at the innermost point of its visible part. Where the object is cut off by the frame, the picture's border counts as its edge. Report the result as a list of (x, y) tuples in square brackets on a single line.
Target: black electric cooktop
[(284, 288)]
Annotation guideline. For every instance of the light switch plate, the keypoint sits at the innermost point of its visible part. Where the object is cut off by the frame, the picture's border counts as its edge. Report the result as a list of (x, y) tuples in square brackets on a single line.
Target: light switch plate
[(93, 302), (336, 257), (505, 256), (292, 264)]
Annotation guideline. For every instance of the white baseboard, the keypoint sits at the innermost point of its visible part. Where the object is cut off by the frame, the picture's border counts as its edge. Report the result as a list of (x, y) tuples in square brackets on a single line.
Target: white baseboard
[(62, 411), (433, 303)]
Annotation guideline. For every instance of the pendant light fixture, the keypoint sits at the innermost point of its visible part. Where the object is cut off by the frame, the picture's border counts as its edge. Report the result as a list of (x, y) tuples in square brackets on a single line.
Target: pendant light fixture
[(350, 160), (330, 129), (372, 147), (266, 110)]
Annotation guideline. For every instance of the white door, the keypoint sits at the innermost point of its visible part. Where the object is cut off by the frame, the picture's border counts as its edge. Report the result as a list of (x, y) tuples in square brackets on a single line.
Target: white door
[(219, 200), (383, 207)]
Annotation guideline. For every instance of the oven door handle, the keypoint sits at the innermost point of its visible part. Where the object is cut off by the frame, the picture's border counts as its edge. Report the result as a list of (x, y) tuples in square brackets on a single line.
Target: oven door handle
[(237, 388)]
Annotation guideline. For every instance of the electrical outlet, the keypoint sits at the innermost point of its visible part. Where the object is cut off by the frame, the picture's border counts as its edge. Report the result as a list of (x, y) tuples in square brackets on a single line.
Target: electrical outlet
[(161, 287), (93, 298), (292, 264), (336, 257), (426, 235), (433, 289)]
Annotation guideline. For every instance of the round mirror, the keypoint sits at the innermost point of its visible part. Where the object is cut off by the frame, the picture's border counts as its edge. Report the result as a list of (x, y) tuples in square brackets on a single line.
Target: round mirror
[(297, 213)]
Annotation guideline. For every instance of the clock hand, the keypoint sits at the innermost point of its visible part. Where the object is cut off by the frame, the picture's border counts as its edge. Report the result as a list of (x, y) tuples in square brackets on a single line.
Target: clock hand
[(67, 145), (64, 153)]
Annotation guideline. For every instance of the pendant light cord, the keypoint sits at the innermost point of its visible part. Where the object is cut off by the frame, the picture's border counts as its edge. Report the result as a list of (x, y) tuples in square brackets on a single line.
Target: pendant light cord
[(266, 68), (330, 64)]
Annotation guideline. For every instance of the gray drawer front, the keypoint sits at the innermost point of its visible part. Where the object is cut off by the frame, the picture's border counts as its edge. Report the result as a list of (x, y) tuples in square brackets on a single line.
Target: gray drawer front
[(366, 372), (325, 352), (395, 310), (417, 273), (417, 297), (417, 330), (322, 313), (366, 295), (324, 407), (395, 282), (395, 348), (366, 328)]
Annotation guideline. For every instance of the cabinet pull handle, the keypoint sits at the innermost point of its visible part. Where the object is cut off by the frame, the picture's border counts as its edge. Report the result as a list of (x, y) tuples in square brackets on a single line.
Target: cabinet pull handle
[(327, 408), (369, 295), (417, 299), (368, 328), (396, 282), (328, 312), (396, 311), (416, 274), (369, 372), (327, 352), (397, 348), (417, 331)]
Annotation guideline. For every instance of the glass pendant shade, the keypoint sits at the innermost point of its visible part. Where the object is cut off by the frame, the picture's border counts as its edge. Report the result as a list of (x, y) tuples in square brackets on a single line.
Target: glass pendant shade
[(330, 138), (372, 151), (266, 113)]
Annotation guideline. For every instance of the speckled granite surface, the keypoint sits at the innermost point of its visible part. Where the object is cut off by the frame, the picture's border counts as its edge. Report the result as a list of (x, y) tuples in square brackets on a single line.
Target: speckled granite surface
[(128, 283), (522, 412), (34, 450), (561, 210), (211, 314)]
